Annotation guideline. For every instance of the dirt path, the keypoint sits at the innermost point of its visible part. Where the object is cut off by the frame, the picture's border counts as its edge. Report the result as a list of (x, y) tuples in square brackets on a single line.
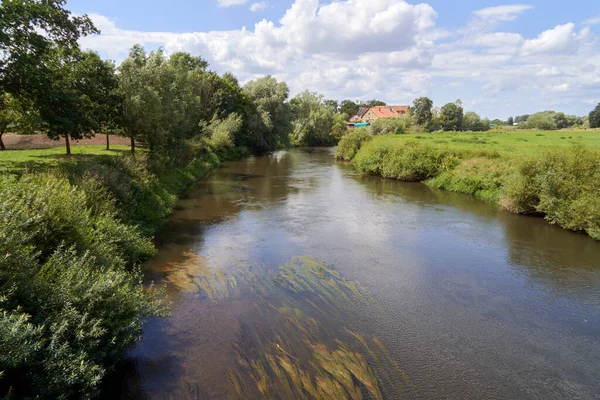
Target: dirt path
[(24, 142)]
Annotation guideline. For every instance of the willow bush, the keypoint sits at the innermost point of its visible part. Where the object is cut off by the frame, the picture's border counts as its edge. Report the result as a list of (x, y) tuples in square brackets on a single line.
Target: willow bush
[(71, 298)]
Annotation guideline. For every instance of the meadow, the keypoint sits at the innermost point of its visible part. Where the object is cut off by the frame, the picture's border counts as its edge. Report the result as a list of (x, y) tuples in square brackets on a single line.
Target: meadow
[(510, 141)]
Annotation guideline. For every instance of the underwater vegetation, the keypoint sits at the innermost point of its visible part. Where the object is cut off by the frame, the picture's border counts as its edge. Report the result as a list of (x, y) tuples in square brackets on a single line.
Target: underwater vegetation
[(299, 344)]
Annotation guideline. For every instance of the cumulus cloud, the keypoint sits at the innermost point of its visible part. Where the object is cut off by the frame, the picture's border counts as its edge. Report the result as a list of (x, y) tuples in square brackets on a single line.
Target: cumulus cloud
[(388, 49), (258, 6)]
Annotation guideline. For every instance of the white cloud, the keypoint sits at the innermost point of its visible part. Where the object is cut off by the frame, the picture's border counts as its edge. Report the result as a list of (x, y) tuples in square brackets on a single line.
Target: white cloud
[(560, 39), (502, 13), (592, 21), (258, 6), (392, 50), (232, 3)]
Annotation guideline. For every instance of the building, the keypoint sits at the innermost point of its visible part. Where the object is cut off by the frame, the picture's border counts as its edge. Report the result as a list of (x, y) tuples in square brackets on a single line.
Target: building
[(357, 117), (375, 113)]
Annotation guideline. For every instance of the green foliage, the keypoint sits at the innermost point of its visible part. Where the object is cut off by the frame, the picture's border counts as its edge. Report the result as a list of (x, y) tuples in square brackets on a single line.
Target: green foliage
[(222, 133), (472, 122), (551, 120), (80, 95), (29, 30), (594, 117), (352, 142), (313, 120), (386, 126), (348, 107), (451, 117), (481, 177), (421, 111), (66, 313), (510, 121), (407, 161), (269, 119), (563, 185)]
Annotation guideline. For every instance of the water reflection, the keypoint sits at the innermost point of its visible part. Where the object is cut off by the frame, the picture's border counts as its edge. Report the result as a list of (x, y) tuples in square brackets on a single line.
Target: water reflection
[(407, 292)]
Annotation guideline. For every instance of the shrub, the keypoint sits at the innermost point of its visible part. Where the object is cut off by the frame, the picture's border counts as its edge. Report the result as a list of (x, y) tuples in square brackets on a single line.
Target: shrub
[(351, 142), (407, 161), (563, 185), (385, 126), (481, 177), (66, 313)]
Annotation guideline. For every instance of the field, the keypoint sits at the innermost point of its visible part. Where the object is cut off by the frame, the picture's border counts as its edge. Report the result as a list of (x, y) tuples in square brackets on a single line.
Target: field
[(39, 159), (510, 142)]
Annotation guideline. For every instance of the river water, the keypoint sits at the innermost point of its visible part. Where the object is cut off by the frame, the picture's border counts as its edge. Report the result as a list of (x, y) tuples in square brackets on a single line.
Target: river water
[(291, 276)]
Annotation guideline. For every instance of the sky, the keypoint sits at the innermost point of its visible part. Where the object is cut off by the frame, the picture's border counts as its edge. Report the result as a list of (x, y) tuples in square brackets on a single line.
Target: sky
[(500, 58)]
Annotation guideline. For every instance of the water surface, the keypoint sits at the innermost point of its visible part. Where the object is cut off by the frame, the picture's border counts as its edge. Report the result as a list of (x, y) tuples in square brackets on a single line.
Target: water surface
[(292, 276)]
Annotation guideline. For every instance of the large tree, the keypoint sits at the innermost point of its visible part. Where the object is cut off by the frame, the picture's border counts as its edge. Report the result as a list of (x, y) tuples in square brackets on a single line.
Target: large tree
[(348, 107), (421, 111), (313, 119), (451, 117), (268, 113), (74, 102), (594, 117), (29, 31)]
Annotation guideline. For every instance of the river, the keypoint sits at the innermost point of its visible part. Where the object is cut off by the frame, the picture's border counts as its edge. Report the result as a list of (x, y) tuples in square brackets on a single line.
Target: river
[(291, 276)]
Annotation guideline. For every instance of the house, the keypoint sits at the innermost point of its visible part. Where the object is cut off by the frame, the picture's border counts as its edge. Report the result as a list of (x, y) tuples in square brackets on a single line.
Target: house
[(378, 112), (357, 117)]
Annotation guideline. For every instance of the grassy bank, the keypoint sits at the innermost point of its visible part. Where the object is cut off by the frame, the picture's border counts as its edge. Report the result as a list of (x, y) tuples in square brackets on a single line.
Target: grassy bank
[(73, 231), (526, 172)]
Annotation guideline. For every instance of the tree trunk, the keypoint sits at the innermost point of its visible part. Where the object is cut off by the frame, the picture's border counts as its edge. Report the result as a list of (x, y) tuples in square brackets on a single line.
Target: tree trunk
[(2, 147), (68, 144), (107, 142), (132, 145)]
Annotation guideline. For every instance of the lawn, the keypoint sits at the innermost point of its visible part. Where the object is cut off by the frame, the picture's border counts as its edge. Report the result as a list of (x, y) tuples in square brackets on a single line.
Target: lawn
[(41, 159), (509, 142)]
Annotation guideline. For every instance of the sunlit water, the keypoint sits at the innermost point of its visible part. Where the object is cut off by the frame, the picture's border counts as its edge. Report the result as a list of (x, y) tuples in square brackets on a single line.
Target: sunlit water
[(291, 276)]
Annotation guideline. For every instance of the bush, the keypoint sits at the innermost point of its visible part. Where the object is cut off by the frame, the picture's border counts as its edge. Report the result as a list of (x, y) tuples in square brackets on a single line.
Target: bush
[(563, 185), (407, 161), (385, 126), (481, 177), (351, 142), (66, 313)]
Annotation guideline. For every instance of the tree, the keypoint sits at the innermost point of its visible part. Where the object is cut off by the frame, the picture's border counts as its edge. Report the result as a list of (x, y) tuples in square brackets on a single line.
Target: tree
[(29, 31), (594, 117), (73, 104), (541, 120), (9, 115), (451, 117), (348, 107), (510, 121), (372, 103), (333, 105), (313, 120), (472, 122), (421, 111), (268, 113)]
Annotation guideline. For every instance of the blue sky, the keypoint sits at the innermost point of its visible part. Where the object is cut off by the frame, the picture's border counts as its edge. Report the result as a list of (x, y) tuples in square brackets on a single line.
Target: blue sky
[(500, 58)]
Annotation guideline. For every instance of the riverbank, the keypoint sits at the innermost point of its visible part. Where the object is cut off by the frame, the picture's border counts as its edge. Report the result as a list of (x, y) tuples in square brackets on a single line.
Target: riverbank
[(73, 231), (558, 182)]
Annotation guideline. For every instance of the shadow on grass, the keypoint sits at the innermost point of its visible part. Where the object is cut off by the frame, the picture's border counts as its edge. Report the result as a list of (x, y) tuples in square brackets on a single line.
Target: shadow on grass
[(18, 162)]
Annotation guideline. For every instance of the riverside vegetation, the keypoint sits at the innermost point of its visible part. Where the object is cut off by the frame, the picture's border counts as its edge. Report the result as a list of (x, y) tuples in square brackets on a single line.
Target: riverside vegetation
[(74, 229), (551, 174)]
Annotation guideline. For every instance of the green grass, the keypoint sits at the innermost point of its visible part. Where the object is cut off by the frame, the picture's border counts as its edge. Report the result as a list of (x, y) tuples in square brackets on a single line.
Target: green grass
[(43, 159), (508, 142)]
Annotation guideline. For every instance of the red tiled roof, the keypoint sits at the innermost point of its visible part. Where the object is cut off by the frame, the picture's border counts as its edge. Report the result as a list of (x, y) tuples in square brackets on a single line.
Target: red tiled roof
[(389, 111)]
